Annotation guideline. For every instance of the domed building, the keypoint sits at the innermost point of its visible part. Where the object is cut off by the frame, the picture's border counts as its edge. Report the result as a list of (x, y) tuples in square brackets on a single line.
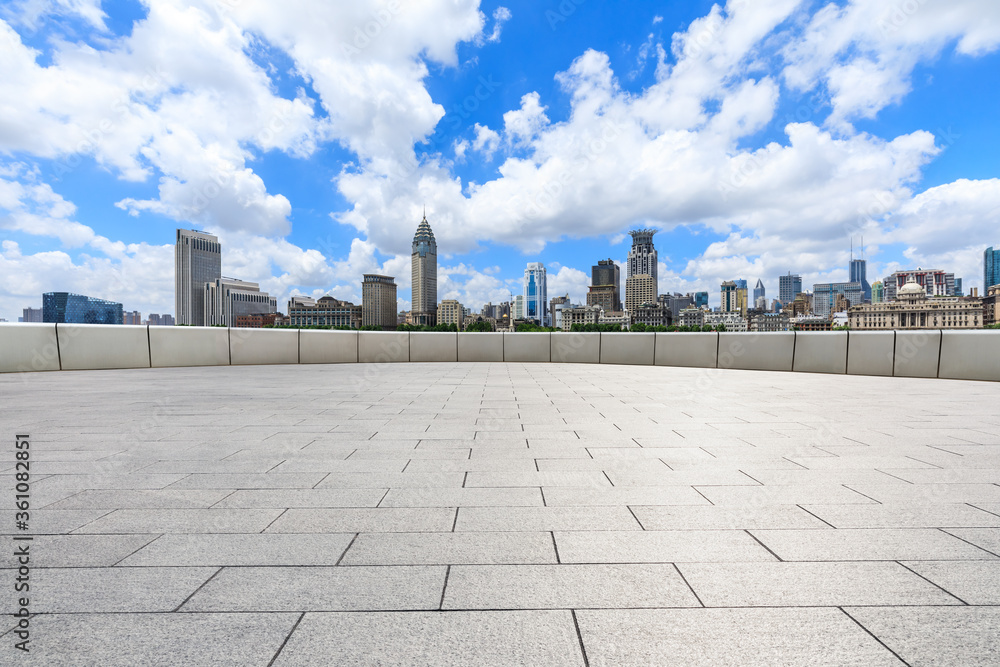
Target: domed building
[(912, 309)]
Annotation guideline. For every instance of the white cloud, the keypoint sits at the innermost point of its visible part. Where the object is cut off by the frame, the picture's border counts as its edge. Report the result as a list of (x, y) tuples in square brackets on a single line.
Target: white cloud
[(500, 16), (487, 141)]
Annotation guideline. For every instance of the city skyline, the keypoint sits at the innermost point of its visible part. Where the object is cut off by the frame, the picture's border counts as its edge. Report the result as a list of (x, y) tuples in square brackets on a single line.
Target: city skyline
[(311, 186)]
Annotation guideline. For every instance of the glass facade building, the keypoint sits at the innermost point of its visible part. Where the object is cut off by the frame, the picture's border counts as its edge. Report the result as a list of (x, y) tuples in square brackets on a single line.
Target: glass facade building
[(788, 287), (991, 269), (536, 301), (67, 308)]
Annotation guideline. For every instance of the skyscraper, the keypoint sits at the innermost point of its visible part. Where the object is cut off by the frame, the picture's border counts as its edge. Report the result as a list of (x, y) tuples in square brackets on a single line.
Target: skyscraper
[(788, 287), (991, 269), (604, 274), (729, 303), (701, 299), (642, 261), (423, 265), (228, 298), (197, 261), (859, 274), (378, 301), (536, 293), (758, 291)]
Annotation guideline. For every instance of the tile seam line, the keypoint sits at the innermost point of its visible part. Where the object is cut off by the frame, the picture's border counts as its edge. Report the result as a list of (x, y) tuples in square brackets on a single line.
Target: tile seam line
[(873, 636), (902, 564), (295, 627)]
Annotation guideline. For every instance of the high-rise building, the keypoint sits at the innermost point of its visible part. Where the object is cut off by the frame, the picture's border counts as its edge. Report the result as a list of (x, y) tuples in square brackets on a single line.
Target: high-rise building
[(67, 308), (32, 315), (423, 265), (758, 290), (642, 258), (824, 297), (134, 317), (519, 307), (639, 289), (606, 273), (935, 283), (536, 294), (878, 292), (701, 299), (155, 319), (197, 262), (378, 301), (788, 287), (555, 307), (450, 311), (959, 291), (729, 303), (859, 274), (991, 268), (606, 297), (227, 298)]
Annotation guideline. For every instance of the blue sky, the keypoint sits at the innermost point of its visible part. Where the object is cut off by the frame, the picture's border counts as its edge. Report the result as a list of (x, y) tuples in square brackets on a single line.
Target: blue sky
[(757, 137)]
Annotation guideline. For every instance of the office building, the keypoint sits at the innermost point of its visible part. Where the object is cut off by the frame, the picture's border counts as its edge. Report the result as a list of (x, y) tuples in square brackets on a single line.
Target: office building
[(758, 291), (731, 321), (197, 262), (604, 275), (155, 319), (675, 303), (378, 301), (423, 267), (800, 306), (259, 321), (913, 309), (67, 308), (579, 315), (451, 311), (227, 298), (959, 290), (651, 314), (536, 294), (701, 299), (556, 306), (639, 289), (859, 274), (518, 307), (32, 315), (935, 283), (788, 287), (991, 268), (607, 297), (691, 317), (878, 292), (761, 321), (990, 305), (134, 317), (325, 311), (728, 292), (825, 297), (642, 257)]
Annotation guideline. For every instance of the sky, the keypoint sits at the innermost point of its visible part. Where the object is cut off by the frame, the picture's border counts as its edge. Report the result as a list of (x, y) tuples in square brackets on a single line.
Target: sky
[(758, 138)]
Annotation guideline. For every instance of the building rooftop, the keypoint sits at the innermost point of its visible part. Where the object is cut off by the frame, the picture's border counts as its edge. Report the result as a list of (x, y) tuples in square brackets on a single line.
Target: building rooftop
[(500, 514)]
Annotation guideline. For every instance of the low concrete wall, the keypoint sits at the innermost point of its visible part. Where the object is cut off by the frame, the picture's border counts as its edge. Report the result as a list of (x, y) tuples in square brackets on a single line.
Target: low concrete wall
[(252, 347), (690, 349), (480, 346), (757, 351), (87, 347), (628, 348), (870, 352), (916, 354), (28, 347), (575, 348), (319, 346), (960, 355), (434, 346), (383, 347), (528, 347), (188, 346), (820, 352), (970, 355)]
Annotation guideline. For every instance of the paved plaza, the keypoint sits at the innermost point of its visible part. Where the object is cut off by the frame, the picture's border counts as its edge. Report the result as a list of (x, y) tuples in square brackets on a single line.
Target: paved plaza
[(504, 514)]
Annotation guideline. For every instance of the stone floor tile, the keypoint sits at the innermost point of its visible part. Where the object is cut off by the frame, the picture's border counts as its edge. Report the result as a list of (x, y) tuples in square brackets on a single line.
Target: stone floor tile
[(358, 520), (711, 637), (126, 640), (248, 549), (467, 497), (320, 589), (451, 548), (182, 521), (904, 516), (576, 496), (668, 546), (78, 550), (372, 480), (868, 544), (936, 636), (112, 589), (303, 498), (272, 480), (724, 518), (984, 538), (500, 479), (975, 582), (496, 638), (566, 587), (545, 518), (810, 585), (136, 499), (756, 496)]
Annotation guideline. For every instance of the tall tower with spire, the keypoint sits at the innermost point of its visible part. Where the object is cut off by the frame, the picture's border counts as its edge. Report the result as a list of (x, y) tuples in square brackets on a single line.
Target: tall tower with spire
[(423, 261)]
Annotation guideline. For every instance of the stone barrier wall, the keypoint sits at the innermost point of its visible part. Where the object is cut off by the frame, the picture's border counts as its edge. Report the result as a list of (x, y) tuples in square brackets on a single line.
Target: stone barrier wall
[(961, 355)]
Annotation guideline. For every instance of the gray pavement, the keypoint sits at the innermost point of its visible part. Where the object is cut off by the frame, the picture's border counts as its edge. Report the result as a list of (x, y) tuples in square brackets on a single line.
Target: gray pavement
[(504, 514)]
